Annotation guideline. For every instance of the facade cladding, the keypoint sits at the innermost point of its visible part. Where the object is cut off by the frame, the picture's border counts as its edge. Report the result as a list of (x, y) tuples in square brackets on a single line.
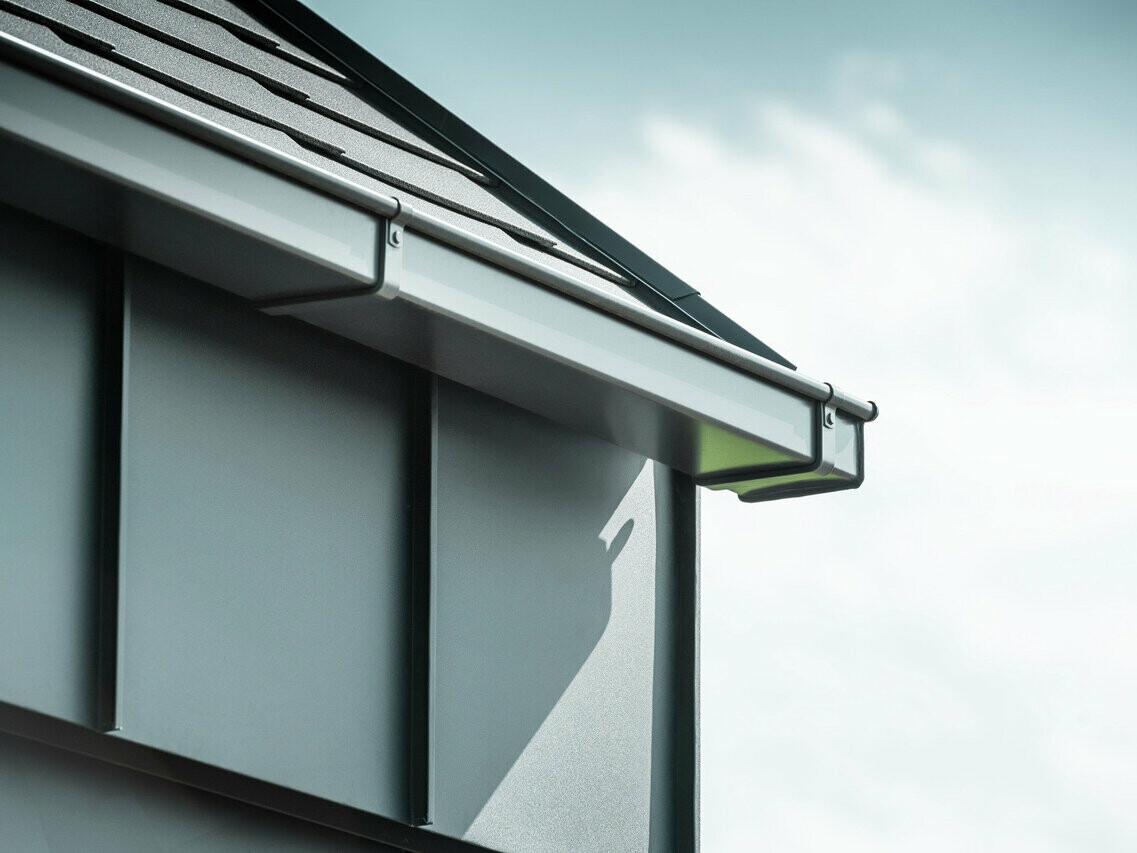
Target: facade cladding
[(265, 538), (347, 479)]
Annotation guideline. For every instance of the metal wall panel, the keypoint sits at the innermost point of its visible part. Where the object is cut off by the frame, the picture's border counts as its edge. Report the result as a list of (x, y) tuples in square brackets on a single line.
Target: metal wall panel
[(555, 670), (264, 546), (50, 286)]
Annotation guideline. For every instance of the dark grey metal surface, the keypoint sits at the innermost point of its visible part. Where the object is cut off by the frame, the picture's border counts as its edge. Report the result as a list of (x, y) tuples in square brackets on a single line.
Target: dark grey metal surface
[(265, 551), (674, 737), (160, 765), (271, 535), (113, 369), (677, 502), (423, 453), (50, 285)]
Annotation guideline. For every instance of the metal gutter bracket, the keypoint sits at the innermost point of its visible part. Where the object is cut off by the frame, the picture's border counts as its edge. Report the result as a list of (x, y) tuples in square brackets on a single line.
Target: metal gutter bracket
[(387, 282), (827, 446), (390, 278)]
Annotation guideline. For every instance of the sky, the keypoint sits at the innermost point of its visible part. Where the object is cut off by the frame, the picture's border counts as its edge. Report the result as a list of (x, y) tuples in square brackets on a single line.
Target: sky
[(932, 206)]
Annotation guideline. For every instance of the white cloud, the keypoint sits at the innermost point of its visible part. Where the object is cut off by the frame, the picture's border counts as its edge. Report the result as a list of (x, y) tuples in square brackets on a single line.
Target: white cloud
[(946, 659)]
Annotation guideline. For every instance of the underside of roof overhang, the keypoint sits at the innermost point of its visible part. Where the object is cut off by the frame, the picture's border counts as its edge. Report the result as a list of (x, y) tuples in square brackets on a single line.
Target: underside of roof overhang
[(95, 155)]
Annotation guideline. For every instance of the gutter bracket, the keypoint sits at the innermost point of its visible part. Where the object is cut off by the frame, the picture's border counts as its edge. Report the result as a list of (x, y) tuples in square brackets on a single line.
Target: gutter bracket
[(390, 279), (390, 273), (827, 439)]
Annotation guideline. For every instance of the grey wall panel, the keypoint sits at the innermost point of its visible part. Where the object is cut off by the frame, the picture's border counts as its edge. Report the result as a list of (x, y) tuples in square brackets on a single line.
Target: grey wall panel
[(50, 286), (53, 801), (546, 558), (264, 576)]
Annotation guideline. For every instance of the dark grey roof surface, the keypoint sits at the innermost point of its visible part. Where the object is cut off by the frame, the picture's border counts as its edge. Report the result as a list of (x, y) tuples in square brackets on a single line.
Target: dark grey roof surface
[(181, 52), (212, 58)]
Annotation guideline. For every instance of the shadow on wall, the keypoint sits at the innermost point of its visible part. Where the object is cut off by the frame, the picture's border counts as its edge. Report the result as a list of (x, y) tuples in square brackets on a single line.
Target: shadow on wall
[(524, 586)]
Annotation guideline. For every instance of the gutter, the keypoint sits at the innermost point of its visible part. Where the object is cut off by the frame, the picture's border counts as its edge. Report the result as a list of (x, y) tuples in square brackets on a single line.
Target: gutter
[(430, 226), (296, 240)]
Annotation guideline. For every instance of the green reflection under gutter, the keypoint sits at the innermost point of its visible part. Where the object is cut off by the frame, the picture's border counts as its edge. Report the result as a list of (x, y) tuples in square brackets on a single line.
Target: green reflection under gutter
[(720, 450)]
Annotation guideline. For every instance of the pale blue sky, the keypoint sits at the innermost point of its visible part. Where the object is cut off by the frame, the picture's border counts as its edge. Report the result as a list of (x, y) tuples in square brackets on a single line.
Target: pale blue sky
[(931, 205), (1045, 89)]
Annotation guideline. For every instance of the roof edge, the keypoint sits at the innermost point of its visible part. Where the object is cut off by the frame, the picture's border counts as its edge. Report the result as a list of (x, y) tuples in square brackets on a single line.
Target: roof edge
[(659, 288)]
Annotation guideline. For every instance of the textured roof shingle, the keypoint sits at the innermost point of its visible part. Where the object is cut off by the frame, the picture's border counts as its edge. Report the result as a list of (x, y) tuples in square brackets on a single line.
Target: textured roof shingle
[(214, 59), (209, 57)]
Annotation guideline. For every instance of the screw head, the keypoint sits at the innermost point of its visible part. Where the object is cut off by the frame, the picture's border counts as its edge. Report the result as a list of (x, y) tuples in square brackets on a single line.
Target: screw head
[(830, 418), (396, 237)]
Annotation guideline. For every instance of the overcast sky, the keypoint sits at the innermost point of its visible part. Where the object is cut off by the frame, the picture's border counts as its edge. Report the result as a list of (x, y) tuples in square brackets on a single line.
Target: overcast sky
[(934, 207)]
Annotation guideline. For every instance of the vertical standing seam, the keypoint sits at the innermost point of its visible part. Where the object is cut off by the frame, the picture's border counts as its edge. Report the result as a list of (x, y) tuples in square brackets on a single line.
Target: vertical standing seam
[(423, 446), (115, 324), (685, 532)]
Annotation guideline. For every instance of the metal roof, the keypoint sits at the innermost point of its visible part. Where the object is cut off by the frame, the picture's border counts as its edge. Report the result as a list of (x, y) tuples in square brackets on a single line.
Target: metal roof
[(301, 86)]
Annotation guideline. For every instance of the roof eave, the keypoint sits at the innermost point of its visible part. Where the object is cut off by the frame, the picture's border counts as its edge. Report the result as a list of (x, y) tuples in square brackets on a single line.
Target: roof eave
[(656, 286), (319, 247)]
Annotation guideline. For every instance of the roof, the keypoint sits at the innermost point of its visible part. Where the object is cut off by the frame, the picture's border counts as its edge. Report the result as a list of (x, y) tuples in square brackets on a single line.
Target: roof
[(277, 73), (287, 166)]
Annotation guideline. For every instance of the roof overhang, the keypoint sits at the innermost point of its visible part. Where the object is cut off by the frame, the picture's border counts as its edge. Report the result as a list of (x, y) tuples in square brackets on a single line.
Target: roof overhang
[(390, 92), (295, 240)]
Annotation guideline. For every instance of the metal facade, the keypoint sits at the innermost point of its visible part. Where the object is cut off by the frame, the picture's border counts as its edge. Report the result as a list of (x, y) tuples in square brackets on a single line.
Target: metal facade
[(264, 546), (213, 553), (50, 290)]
